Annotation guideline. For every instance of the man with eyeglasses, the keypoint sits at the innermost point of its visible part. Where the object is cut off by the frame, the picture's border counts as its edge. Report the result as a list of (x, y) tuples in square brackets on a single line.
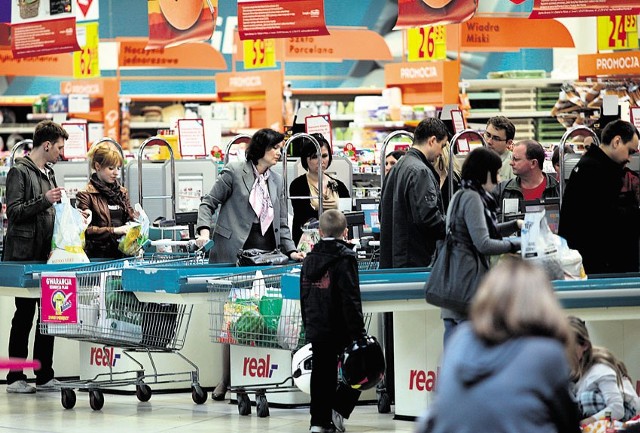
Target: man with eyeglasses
[(499, 137), (530, 182), (595, 218)]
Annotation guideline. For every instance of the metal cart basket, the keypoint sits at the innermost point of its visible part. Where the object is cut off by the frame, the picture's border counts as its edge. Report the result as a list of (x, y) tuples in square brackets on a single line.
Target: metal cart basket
[(110, 316), (249, 313)]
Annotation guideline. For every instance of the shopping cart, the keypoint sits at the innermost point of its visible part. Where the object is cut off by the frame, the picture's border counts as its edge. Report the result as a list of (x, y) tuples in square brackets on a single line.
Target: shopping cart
[(87, 303), (264, 328)]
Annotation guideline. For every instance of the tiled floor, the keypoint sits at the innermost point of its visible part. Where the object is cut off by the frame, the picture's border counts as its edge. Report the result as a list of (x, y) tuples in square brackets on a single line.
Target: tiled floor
[(43, 413)]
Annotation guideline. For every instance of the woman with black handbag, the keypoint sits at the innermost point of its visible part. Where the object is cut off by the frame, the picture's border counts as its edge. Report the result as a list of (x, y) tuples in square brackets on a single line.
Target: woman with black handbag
[(473, 234), (252, 214)]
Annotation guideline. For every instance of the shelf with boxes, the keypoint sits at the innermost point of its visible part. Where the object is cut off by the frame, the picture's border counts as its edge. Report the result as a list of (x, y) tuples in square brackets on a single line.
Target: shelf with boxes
[(527, 102), (338, 103)]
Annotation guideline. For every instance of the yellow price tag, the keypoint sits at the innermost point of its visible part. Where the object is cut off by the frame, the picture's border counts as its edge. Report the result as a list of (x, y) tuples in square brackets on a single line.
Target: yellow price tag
[(427, 43), (85, 61), (617, 32), (259, 53)]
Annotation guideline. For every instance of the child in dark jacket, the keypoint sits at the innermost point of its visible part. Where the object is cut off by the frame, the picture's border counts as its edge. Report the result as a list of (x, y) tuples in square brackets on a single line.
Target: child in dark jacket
[(332, 317)]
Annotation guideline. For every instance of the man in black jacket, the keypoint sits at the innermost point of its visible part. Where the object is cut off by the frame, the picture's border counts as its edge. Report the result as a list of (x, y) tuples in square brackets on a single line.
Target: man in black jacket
[(596, 218), (31, 193), (332, 316), (412, 216)]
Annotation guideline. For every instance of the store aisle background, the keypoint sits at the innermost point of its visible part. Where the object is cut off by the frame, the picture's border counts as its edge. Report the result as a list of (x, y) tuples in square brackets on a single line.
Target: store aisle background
[(43, 413)]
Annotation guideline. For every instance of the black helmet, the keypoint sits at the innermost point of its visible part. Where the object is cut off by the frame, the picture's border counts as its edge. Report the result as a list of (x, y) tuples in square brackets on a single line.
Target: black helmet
[(361, 364)]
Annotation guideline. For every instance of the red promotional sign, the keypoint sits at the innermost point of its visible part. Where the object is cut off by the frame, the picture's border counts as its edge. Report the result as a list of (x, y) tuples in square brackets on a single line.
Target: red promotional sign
[(583, 8), (59, 298), (40, 38), (418, 13), (175, 22), (264, 19)]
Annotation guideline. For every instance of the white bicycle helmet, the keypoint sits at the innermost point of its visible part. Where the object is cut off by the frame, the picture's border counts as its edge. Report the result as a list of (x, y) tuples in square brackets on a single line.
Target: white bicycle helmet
[(301, 368)]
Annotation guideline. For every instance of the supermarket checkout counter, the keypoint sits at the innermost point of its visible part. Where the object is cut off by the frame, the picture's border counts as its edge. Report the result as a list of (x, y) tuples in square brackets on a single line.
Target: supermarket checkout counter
[(611, 307), (86, 359)]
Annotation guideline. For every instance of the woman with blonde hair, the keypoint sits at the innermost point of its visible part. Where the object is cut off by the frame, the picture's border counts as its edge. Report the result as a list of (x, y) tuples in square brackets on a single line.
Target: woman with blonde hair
[(442, 168), (602, 383), (108, 202), (507, 368)]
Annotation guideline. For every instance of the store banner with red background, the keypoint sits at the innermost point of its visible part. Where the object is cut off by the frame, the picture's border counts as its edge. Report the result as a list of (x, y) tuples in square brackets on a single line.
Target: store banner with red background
[(41, 27), (264, 19), (175, 22), (417, 13), (583, 8)]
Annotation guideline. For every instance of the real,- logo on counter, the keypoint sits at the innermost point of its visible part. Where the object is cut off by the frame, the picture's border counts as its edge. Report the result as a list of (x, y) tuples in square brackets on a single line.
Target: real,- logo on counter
[(423, 380), (258, 367), (103, 356)]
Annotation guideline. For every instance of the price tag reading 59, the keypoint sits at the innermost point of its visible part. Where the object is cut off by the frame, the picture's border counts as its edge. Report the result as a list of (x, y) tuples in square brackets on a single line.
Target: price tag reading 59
[(259, 53), (427, 43), (617, 32)]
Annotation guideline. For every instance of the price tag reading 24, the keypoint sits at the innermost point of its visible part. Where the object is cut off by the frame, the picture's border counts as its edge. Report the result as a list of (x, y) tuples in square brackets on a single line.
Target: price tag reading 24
[(617, 32), (427, 43), (259, 53)]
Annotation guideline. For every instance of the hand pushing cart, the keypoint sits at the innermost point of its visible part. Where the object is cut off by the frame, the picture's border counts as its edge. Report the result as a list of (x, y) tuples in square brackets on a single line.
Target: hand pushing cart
[(88, 303)]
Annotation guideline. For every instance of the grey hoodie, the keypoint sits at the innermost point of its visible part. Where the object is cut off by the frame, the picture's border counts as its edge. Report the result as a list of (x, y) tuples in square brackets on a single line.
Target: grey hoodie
[(519, 386)]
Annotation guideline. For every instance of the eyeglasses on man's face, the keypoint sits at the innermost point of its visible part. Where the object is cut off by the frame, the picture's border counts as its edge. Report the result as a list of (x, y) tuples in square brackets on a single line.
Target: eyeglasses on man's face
[(488, 137)]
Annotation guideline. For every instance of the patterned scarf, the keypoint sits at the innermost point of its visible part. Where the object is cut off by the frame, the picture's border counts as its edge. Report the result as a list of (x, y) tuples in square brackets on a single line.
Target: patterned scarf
[(490, 207), (109, 190), (260, 200)]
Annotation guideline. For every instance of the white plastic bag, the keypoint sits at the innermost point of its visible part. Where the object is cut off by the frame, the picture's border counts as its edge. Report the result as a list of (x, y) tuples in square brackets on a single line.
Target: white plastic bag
[(67, 245), (539, 245)]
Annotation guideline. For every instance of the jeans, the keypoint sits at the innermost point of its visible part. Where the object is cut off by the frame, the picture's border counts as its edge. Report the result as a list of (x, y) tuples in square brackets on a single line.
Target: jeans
[(449, 329)]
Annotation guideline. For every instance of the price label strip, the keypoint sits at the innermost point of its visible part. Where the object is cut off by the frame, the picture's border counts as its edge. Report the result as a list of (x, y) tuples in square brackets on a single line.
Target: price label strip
[(617, 32), (259, 53), (427, 43)]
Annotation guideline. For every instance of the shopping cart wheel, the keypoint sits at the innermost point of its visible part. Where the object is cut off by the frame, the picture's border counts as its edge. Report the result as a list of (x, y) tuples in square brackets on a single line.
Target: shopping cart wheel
[(68, 398), (198, 395), (384, 402), (262, 405), (244, 404), (143, 392), (96, 399)]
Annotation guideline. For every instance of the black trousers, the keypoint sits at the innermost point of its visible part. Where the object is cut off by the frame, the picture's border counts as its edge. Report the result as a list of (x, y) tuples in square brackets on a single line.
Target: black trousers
[(19, 341), (325, 395)]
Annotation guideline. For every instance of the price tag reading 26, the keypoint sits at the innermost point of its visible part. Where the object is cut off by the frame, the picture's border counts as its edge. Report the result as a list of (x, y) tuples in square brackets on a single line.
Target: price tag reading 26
[(259, 53), (427, 43), (617, 32)]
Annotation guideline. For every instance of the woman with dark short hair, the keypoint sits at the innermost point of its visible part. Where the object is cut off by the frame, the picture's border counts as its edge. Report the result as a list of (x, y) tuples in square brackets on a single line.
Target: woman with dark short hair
[(252, 213), (472, 219), (307, 185)]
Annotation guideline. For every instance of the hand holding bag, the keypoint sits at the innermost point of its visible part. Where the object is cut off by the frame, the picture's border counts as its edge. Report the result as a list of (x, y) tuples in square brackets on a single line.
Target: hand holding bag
[(456, 273), (258, 257)]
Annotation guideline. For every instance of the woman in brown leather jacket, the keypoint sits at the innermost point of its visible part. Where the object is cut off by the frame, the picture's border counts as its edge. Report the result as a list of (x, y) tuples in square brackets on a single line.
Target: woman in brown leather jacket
[(108, 201)]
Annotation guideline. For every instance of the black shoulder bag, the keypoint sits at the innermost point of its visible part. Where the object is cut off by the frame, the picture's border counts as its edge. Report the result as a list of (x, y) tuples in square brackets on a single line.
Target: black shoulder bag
[(456, 272)]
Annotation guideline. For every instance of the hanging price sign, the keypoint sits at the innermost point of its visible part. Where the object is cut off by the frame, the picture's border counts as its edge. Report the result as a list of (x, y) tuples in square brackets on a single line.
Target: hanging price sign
[(85, 61), (617, 32), (259, 53), (427, 43)]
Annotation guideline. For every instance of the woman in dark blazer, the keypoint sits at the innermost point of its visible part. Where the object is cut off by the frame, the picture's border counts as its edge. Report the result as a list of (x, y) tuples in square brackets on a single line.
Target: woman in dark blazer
[(307, 185)]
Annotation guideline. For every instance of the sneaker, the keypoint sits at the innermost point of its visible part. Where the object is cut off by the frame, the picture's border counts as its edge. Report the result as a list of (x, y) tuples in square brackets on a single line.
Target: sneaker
[(21, 387), (320, 429), (52, 385), (338, 421), (219, 391)]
